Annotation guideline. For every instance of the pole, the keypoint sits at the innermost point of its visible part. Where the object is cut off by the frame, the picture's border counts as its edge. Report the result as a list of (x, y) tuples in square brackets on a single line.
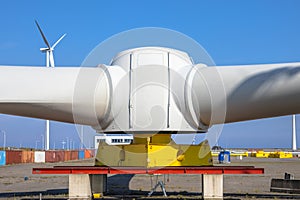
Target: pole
[(294, 138), (4, 139), (67, 143), (47, 138), (63, 144), (81, 137), (36, 144), (43, 142)]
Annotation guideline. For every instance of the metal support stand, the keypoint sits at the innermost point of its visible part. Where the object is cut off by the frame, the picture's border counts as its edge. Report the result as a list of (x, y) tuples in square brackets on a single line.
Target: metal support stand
[(158, 183), (162, 186)]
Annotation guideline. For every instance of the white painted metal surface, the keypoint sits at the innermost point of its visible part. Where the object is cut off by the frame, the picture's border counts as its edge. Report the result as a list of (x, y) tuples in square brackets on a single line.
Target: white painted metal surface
[(150, 90), (150, 104), (39, 157), (48, 93), (250, 92)]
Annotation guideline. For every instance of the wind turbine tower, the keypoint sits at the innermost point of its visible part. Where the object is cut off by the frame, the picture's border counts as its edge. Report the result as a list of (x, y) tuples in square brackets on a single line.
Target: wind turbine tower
[(294, 139), (49, 63)]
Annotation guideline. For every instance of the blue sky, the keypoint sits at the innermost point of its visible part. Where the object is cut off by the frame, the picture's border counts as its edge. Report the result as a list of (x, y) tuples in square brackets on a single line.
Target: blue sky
[(232, 32)]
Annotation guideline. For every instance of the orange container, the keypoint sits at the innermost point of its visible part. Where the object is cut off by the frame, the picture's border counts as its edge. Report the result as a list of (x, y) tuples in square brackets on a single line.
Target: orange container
[(67, 155), (27, 156), (89, 153), (74, 155)]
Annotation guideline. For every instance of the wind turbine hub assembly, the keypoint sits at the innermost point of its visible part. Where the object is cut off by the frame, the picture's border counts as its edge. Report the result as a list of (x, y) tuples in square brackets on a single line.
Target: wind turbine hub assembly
[(151, 92)]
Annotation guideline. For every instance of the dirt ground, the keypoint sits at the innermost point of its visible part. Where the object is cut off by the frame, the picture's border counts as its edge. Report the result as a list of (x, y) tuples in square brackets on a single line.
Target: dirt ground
[(18, 182)]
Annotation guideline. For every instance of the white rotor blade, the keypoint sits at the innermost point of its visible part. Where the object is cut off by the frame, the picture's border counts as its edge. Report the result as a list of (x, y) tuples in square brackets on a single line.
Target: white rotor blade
[(58, 41), (51, 58), (49, 93), (43, 36), (245, 92)]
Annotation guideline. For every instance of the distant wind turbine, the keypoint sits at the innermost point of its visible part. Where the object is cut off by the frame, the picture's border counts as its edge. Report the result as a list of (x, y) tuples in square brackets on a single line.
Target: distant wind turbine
[(49, 49), (49, 62)]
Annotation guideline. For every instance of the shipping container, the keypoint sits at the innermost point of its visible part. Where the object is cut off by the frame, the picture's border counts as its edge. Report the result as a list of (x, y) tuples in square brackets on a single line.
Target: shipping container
[(13, 157), (39, 157), (281, 154), (2, 158), (81, 154), (89, 153), (67, 156), (55, 156), (74, 155), (262, 154), (27, 156)]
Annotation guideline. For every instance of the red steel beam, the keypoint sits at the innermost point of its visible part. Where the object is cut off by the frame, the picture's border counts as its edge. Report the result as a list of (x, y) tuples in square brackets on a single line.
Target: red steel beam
[(141, 170)]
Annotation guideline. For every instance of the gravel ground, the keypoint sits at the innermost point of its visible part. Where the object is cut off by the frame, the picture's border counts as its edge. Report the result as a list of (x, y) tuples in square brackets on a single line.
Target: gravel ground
[(17, 182)]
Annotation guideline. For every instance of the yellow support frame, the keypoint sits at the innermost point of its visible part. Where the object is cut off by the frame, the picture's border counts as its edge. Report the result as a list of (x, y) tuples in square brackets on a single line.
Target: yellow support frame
[(155, 151)]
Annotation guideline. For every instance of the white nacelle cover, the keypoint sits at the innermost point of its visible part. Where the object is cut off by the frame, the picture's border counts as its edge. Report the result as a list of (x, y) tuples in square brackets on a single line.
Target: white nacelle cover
[(148, 103)]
